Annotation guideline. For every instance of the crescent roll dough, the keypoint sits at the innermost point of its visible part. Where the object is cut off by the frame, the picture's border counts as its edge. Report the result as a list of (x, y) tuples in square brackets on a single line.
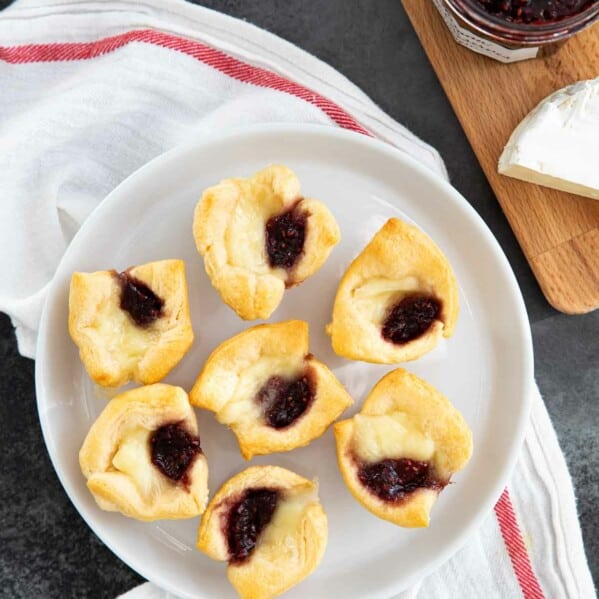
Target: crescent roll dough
[(142, 456), (265, 385), (396, 299), (259, 236), (115, 347), (268, 523), (401, 450)]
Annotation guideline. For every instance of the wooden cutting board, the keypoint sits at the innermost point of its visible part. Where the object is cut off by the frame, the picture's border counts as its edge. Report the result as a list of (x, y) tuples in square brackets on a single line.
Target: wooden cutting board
[(559, 232)]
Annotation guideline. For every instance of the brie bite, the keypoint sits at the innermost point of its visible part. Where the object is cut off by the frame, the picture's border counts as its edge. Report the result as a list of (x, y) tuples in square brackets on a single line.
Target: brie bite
[(557, 143)]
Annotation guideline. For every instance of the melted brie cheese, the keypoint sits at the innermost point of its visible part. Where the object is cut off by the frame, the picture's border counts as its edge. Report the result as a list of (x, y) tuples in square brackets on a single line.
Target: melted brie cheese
[(377, 294), (283, 531), (557, 143), (122, 337), (245, 237), (133, 459), (389, 436), (242, 406)]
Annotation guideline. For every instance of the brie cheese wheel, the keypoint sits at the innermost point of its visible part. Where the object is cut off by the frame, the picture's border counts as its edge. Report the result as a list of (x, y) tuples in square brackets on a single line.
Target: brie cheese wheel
[(556, 145)]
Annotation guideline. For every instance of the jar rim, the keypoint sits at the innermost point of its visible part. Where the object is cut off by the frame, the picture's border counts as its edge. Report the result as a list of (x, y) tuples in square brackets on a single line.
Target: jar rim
[(521, 33)]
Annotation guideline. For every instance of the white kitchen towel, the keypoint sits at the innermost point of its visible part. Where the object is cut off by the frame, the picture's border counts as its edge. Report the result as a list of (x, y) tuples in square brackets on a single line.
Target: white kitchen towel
[(90, 91)]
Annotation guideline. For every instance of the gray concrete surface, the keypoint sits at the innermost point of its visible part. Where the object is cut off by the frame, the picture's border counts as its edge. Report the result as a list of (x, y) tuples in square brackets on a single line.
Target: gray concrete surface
[(46, 550)]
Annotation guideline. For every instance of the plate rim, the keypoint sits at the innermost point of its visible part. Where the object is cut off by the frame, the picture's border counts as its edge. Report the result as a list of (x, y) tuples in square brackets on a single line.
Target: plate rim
[(523, 330)]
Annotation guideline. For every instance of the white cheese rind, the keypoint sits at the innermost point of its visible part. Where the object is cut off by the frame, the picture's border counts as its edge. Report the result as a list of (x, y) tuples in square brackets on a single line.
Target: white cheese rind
[(557, 143)]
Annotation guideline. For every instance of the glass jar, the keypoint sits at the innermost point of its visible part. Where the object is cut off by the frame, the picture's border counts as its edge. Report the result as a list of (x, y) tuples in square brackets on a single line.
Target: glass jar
[(472, 26)]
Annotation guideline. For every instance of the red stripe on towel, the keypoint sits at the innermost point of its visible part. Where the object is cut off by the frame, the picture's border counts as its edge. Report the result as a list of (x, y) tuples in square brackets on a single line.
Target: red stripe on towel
[(514, 543), (215, 58)]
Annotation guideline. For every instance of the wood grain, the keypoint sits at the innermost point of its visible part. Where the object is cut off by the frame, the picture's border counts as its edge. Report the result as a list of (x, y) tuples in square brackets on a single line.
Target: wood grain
[(559, 232)]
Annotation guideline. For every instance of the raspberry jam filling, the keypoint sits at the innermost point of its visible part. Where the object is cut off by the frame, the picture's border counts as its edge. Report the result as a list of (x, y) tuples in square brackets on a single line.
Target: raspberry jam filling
[(139, 301), (534, 11), (173, 451), (284, 400), (285, 236), (392, 480), (246, 519), (410, 318)]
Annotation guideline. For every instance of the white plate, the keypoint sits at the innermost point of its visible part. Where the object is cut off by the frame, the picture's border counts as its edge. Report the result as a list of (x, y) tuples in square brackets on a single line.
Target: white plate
[(485, 368)]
